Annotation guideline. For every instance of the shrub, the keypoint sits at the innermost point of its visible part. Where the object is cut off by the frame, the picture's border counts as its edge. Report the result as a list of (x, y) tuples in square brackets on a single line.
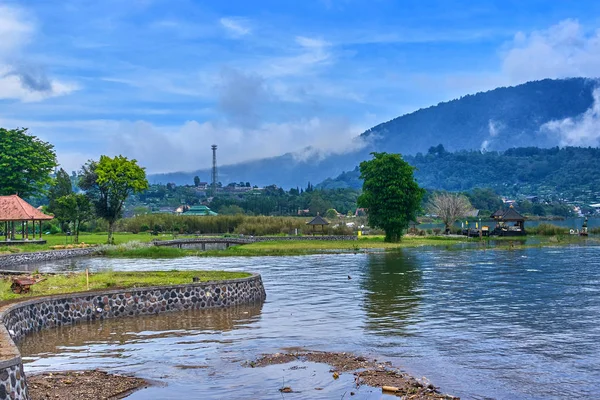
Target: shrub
[(548, 230)]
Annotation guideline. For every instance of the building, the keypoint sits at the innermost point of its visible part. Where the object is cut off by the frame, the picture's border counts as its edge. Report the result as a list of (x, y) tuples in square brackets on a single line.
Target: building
[(508, 223), (201, 210), (15, 211)]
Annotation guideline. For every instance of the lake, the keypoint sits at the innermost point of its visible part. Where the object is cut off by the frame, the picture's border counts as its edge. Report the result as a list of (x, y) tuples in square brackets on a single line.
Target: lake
[(570, 223), (481, 324)]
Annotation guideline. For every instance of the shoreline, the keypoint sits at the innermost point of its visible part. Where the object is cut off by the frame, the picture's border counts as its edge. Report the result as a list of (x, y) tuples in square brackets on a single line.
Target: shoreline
[(370, 373), (83, 385)]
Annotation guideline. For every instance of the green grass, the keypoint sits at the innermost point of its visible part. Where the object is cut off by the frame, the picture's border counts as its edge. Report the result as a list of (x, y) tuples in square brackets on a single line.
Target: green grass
[(88, 238), (76, 282)]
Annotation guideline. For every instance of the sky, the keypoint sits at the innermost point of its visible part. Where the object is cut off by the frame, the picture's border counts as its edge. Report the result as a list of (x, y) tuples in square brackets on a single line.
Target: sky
[(160, 81)]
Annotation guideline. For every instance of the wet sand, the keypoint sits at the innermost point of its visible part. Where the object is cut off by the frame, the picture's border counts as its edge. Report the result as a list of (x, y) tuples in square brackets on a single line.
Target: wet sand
[(83, 385)]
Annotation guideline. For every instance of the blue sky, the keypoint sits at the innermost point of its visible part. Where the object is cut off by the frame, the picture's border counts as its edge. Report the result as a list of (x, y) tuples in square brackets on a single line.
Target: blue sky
[(160, 81)]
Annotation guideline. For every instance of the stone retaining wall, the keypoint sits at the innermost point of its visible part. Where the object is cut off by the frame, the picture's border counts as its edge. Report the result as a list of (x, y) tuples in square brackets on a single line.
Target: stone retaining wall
[(9, 260), (20, 319)]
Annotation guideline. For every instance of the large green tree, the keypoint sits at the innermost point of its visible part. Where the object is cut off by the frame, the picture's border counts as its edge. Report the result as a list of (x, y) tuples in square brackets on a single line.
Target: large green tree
[(390, 194), (73, 208), (25, 163), (108, 183)]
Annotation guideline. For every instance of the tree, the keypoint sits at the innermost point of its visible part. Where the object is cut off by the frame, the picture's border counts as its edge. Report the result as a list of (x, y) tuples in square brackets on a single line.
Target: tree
[(331, 213), (390, 194), (74, 208), (449, 207), (108, 183), (25, 163), (232, 209), (61, 186), (196, 181)]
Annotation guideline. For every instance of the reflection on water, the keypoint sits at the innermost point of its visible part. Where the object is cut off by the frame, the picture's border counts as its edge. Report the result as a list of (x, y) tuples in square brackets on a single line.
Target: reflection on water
[(391, 285), (117, 331), (502, 324)]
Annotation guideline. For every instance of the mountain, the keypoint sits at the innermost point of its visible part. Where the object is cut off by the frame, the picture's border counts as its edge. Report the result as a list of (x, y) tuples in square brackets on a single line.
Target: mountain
[(571, 173), (531, 114)]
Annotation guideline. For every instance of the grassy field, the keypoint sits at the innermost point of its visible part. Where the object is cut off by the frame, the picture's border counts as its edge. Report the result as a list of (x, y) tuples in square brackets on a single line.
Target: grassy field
[(87, 238), (76, 282), (133, 245), (280, 248)]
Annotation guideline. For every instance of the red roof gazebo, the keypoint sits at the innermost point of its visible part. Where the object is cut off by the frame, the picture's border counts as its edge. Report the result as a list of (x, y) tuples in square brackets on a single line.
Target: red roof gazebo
[(15, 209)]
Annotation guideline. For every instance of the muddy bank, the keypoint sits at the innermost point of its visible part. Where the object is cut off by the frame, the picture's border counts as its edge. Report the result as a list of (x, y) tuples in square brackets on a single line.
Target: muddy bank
[(366, 372), (82, 385)]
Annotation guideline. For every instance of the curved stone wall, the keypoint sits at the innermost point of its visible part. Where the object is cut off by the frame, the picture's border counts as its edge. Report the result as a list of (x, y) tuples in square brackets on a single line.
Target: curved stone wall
[(9, 260), (20, 319)]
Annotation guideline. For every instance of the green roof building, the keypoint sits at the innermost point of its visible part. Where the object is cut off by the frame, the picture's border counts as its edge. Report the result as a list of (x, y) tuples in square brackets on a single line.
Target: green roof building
[(200, 211)]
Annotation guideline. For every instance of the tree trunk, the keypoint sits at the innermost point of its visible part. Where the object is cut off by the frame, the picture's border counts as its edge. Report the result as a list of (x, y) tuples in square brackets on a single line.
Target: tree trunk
[(76, 226), (111, 227)]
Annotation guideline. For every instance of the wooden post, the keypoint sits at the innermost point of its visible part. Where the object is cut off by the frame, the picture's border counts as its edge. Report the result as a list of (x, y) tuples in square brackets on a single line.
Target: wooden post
[(87, 278)]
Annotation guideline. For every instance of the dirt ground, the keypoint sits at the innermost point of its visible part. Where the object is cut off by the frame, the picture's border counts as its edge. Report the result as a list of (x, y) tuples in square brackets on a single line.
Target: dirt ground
[(82, 385), (366, 372)]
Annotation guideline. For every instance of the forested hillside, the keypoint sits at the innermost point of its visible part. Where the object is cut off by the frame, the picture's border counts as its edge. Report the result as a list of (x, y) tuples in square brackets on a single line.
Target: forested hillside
[(496, 120), (571, 172)]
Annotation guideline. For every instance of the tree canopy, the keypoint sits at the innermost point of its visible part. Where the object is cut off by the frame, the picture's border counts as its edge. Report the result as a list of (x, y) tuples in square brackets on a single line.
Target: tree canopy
[(390, 194), (25, 163), (108, 183), (61, 186), (73, 208)]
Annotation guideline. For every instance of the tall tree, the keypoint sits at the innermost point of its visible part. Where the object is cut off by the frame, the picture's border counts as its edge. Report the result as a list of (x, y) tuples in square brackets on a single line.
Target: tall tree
[(74, 208), (25, 163), (196, 181), (449, 207), (61, 186), (108, 183), (390, 194)]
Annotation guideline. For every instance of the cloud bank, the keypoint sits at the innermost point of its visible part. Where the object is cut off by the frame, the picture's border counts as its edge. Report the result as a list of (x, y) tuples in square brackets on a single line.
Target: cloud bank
[(583, 130), (563, 50)]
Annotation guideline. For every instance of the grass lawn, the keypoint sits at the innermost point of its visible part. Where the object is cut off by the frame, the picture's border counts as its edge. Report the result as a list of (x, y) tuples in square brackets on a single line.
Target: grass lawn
[(88, 238), (76, 282)]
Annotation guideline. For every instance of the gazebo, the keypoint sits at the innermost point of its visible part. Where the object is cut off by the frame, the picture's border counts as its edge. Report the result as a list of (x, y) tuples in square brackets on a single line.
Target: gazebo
[(504, 217), (14, 209), (317, 221)]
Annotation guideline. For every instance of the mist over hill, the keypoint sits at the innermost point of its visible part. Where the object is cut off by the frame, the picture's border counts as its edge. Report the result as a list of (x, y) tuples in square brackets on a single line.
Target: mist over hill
[(545, 113)]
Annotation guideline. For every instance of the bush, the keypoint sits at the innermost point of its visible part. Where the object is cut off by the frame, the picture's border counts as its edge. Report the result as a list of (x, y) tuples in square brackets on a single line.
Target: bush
[(595, 230), (548, 230), (437, 231), (221, 224)]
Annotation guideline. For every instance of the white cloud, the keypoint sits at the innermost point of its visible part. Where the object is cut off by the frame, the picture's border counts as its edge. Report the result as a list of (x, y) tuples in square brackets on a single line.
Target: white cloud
[(12, 86), (187, 147), (563, 50), (310, 54), (235, 26), (15, 29), (583, 130), (21, 81)]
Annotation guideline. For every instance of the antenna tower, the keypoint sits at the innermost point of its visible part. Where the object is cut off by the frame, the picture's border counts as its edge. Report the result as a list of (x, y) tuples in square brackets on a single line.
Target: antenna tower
[(214, 170)]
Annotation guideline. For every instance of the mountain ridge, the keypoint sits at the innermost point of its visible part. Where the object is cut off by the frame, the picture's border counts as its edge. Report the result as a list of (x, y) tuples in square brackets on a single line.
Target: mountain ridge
[(498, 119)]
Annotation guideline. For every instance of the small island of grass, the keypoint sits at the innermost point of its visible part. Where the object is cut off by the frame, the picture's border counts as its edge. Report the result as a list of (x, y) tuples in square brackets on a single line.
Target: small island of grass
[(52, 284)]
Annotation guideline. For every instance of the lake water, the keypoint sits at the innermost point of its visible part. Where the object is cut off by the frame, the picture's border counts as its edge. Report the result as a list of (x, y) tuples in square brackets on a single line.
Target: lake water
[(481, 324), (571, 223)]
